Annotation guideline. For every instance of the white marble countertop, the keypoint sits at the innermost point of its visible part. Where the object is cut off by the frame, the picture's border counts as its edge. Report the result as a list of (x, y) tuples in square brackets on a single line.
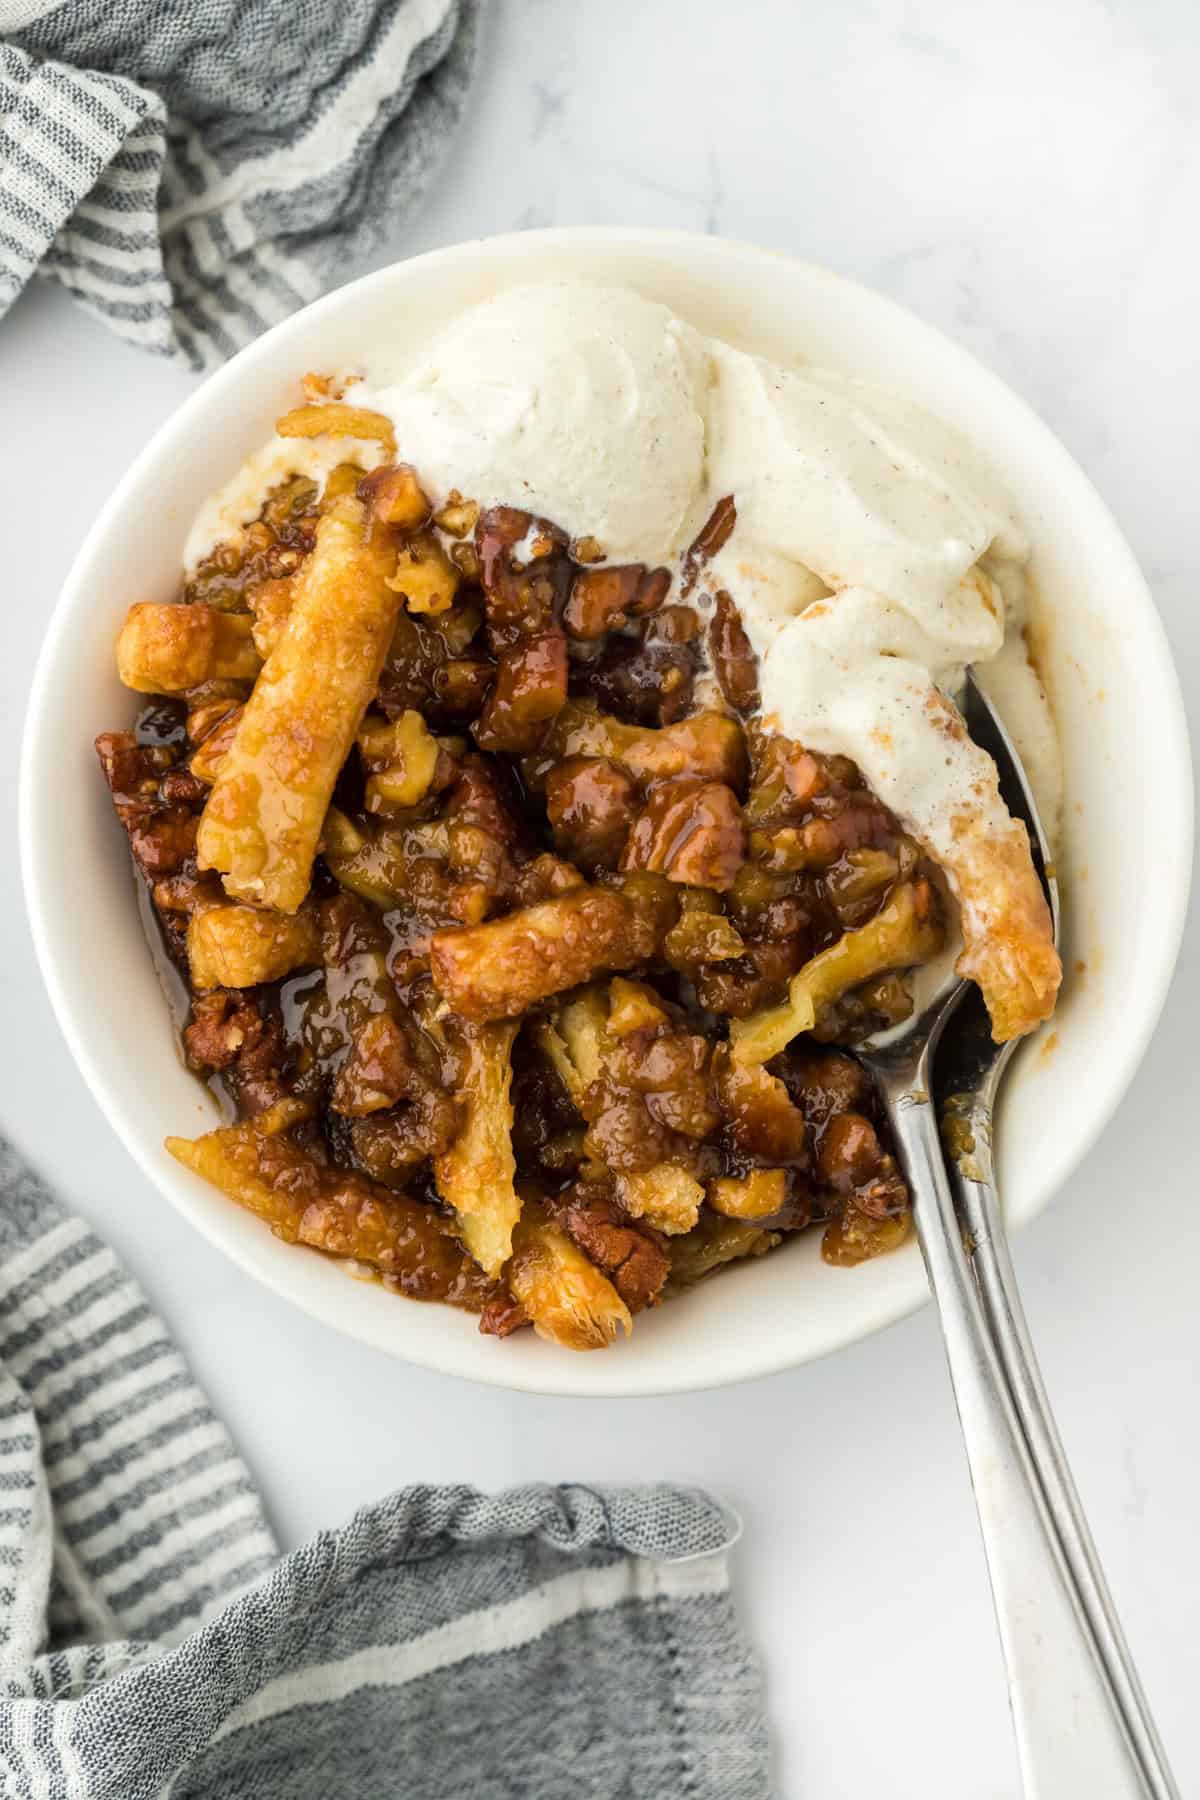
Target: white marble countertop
[(1028, 178)]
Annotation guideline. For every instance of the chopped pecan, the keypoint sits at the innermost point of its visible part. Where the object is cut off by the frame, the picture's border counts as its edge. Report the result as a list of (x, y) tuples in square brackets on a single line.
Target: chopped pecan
[(222, 1025), (672, 1071), (530, 687), (162, 832), (712, 536), (524, 594), (591, 803), (378, 1071), (733, 658), (396, 497), (390, 1145), (645, 680), (486, 795), (691, 831), (502, 1315), (605, 597), (631, 1254), (425, 577), (229, 1033), (853, 1162), (461, 685), (776, 1197), (543, 878), (212, 729), (762, 1121)]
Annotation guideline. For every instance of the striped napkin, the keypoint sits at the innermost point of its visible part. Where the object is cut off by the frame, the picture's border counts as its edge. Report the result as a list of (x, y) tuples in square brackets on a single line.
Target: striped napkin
[(194, 170), (553, 1643)]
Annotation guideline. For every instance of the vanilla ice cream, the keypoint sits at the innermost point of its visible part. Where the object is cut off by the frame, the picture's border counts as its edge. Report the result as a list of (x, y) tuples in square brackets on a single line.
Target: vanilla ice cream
[(874, 554), (225, 513), (891, 512), (581, 404)]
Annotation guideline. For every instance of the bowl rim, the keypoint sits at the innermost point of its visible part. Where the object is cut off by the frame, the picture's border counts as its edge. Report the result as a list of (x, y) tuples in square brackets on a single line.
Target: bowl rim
[(738, 1360)]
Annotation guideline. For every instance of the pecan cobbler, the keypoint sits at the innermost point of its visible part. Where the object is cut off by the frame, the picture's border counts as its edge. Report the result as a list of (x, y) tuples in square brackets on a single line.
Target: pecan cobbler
[(525, 956)]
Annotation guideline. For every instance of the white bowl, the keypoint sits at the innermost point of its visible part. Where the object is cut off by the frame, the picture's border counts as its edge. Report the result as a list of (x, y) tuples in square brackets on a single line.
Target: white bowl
[(1125, 864)]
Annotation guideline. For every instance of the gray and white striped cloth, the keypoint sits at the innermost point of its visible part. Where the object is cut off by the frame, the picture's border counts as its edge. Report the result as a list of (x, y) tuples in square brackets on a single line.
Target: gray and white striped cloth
[(549, 1643), (194, 170)]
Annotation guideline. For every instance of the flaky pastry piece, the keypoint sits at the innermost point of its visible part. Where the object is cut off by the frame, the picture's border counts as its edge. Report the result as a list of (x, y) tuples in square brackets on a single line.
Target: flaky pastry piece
[(263, 819), (241, 946), (337, 418), (475, 1176), (1008, 933), (304, 1201), (707, 744), (667, 1196), (499, 969), (567, 1298), (166, 649), (904, 932)]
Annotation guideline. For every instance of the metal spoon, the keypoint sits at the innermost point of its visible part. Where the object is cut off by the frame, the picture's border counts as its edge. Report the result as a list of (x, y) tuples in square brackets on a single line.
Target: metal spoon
[(1082, 1725)]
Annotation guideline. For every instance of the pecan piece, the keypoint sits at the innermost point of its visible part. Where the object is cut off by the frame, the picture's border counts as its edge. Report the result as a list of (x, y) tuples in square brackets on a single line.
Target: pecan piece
[(691, 831), (591, 804), (733, 658), (609, 596), (631, 1254)]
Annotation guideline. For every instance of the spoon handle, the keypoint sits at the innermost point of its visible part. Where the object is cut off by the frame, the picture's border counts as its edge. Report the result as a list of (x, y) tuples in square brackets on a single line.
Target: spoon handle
[(973, 1182), (1071, 1739)]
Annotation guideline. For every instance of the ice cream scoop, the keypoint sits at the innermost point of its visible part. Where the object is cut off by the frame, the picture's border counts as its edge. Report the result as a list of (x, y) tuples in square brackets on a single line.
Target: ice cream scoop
[(581, 404)]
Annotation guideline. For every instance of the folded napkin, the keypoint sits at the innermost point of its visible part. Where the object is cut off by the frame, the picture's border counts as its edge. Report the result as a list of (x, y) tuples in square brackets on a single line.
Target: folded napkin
[(194, 172), (549, 1641)]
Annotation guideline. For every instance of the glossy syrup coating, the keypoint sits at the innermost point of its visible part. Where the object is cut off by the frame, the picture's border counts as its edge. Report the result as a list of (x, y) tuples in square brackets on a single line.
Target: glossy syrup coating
[(536, 833)]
